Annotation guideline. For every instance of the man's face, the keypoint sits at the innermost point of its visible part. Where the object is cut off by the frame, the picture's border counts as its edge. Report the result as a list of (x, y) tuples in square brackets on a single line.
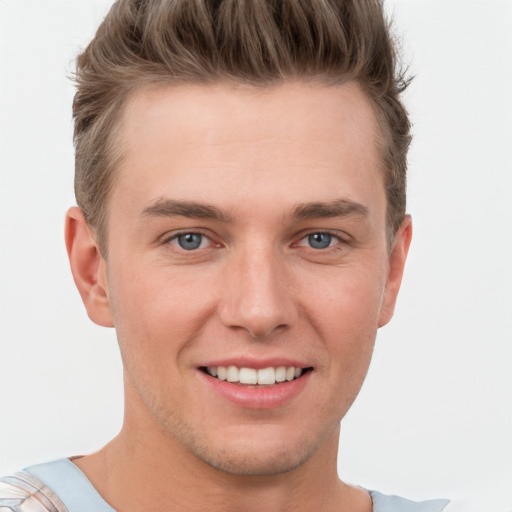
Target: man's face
[(247, 230)]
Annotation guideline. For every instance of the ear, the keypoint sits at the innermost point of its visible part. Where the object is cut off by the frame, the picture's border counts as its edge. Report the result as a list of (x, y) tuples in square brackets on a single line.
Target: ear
[(397, 259), (88, 267)]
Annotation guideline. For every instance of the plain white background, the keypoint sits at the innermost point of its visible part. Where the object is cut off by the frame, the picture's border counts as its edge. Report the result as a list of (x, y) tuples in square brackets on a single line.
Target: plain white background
[(434, 418)]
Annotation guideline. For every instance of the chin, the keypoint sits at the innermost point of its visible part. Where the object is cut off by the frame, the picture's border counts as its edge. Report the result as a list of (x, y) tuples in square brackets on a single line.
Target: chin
[(265, 461), (244, 448), (253, 452)]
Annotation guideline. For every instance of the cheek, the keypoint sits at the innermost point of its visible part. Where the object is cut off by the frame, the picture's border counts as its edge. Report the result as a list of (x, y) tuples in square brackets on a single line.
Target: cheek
[(155, 308), (347, 303), (345, 312)]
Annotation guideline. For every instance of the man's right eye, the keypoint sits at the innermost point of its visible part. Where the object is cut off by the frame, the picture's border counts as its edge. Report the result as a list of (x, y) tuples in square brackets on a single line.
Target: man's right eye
[(190, 241)]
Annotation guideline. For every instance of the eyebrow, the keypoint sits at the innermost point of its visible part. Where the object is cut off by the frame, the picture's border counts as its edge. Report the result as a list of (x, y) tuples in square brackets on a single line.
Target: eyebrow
[(303, 211), (192, 209), (337, 208)]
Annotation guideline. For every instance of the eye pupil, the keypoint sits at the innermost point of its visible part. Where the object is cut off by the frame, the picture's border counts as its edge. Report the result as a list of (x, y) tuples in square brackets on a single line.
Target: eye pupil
[(190, 241), (319, 240)]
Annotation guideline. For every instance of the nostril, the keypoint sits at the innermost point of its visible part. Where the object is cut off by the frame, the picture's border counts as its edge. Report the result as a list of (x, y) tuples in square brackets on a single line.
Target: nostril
[(257, 300)]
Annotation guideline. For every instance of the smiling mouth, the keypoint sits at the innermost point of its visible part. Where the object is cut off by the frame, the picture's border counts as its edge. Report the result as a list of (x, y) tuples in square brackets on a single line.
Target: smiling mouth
[(252, 377)]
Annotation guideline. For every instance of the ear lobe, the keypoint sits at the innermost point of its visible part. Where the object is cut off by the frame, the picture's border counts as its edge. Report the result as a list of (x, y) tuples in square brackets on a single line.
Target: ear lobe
[(396, 270), (88, 268)]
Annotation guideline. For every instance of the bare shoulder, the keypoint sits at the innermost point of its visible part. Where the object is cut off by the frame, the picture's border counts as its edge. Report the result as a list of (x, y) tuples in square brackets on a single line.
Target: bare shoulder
[(23, 492)]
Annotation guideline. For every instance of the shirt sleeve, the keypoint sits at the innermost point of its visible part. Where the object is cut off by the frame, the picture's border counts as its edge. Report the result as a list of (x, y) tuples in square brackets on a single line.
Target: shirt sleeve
[(22, 492)]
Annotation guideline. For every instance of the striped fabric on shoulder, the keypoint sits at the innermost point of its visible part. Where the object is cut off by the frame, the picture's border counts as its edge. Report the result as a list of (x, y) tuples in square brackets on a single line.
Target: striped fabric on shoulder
[(23, 492)]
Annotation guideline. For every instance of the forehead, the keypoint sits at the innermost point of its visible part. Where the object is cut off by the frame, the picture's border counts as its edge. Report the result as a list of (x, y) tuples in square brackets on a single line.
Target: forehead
[(227, 113), (297, 141)]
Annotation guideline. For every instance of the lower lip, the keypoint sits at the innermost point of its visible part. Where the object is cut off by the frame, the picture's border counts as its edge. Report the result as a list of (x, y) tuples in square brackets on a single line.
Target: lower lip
[(269, 397)]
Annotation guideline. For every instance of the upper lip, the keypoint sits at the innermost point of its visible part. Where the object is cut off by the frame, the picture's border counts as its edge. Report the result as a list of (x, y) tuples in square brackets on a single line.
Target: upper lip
[(257, 364)]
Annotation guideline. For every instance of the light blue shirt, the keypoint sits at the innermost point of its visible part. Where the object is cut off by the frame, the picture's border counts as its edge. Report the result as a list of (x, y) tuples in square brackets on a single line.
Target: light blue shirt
[(61, 486)]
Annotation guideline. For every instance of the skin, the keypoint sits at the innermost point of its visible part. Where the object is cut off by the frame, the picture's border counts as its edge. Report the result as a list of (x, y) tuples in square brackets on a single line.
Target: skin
[(254, 288)]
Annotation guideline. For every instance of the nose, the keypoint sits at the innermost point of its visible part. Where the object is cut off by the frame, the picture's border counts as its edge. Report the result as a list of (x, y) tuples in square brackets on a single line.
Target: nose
[(258, 294)]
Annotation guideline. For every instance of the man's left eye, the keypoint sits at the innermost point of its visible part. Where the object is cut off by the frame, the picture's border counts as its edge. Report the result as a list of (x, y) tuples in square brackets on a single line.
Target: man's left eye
[(190, 241), (319, 240)]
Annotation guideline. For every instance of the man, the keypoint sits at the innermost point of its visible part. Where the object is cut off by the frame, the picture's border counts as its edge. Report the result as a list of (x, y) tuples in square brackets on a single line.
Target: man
[(240, 176)]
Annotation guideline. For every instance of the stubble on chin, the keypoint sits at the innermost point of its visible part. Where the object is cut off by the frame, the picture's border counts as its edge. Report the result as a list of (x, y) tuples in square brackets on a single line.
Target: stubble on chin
[(244, 458), (222, 450)]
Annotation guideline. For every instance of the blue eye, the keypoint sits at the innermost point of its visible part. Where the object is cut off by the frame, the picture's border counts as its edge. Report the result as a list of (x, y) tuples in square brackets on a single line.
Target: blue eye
[(190, 241), (320, 240)]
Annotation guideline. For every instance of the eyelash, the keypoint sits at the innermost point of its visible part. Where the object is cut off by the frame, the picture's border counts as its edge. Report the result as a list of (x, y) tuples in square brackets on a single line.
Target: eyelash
[(340, 240), (174, 238), (333, 234)]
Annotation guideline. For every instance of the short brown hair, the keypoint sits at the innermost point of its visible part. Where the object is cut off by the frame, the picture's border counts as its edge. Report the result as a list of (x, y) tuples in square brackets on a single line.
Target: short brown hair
[(258, 42)]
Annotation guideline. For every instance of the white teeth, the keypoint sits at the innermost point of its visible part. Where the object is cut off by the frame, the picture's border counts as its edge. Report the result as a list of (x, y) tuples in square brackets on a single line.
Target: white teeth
[(248, 376), (233, 375), (280, 374), (267, 376), (251, 376), (222, 372)]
